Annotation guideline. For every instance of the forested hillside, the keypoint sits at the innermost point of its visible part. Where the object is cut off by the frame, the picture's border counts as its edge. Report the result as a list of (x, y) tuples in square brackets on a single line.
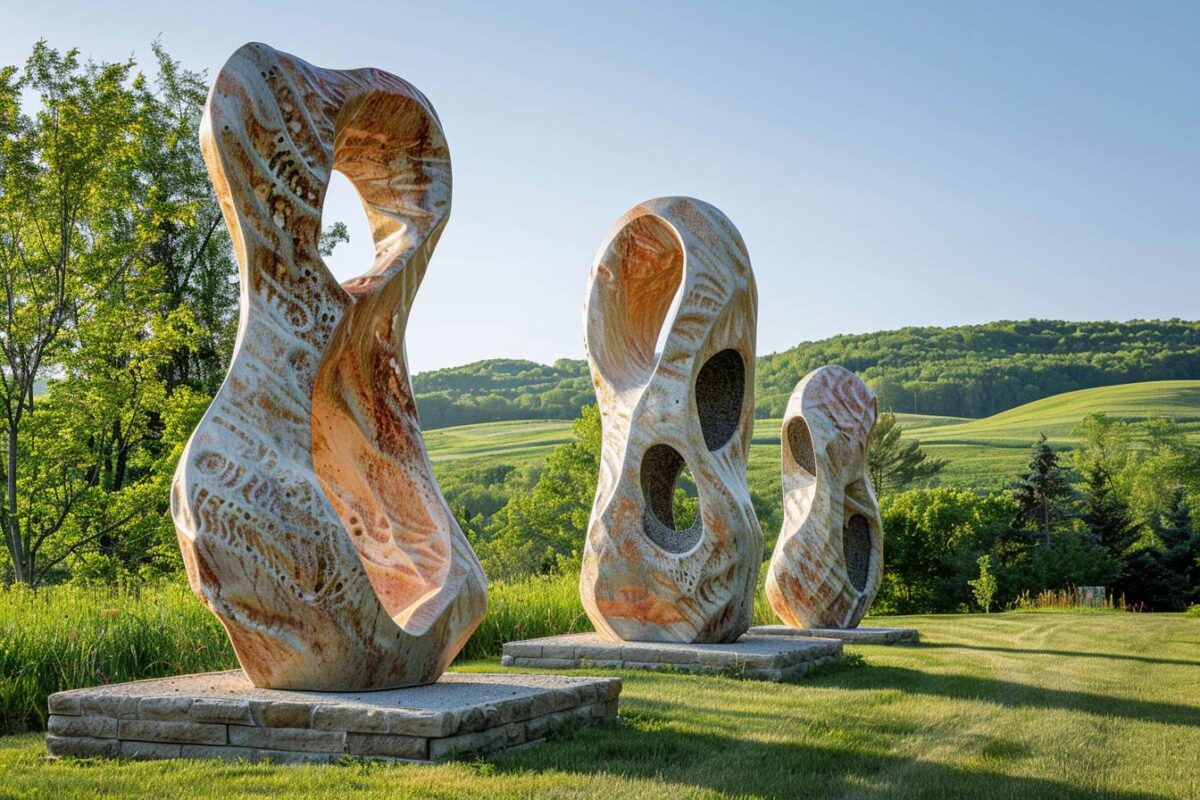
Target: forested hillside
[(502, 389), (979, 370), (962, 371)]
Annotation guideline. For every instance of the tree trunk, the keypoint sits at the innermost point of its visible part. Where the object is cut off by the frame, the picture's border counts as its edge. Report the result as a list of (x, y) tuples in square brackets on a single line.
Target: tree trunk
[(22, 569)]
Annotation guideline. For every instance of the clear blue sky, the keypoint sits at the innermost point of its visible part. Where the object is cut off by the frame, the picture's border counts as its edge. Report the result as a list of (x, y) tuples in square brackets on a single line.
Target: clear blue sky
[(888, 164)]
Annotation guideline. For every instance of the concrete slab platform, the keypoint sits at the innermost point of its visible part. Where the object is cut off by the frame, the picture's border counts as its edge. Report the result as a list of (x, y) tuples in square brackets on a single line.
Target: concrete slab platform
[(847, 635), (221, 715), (771, 658)]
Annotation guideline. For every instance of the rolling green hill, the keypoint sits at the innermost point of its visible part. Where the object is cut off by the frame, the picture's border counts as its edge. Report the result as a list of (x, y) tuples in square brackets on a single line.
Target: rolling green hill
[(965, 370), (983, 453)]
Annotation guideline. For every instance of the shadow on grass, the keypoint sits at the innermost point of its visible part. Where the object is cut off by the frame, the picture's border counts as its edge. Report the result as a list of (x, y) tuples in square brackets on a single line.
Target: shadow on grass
[(1017, 695), (1179, 662), (745, 766)]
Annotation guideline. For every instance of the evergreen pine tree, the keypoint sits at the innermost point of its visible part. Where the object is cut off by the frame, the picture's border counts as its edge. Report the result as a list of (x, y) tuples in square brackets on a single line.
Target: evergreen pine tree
[(1181, 548), (1043, 493), (1106, 514)]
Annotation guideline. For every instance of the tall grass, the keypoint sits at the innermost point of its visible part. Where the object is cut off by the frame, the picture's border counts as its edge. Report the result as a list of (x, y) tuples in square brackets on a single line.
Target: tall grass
[(545, 605), (64, 637), (1067, 600), (67, 637)]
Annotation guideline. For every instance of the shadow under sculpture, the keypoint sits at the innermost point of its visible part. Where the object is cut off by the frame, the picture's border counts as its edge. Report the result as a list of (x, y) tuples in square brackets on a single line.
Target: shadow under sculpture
[(828, 561), (305, 503), (643, 579)]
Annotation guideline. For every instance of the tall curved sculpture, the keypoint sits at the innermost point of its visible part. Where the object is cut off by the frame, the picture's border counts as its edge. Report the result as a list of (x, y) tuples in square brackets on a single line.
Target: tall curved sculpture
[(692, 404), (305, 504), (828, 560)]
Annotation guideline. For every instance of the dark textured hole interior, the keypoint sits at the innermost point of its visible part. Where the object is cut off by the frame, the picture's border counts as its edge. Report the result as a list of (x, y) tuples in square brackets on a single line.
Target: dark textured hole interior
[(720, 391), (856, 544), (799, 442), (661, 466)]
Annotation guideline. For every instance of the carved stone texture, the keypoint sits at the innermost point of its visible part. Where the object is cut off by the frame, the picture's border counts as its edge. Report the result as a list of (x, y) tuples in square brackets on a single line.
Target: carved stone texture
[(305, 503), (828, 560), (643, 579)]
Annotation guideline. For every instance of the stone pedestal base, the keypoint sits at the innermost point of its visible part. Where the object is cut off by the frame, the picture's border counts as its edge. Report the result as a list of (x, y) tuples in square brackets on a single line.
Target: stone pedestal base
[(848, 635), (220, 715), (769, 658)]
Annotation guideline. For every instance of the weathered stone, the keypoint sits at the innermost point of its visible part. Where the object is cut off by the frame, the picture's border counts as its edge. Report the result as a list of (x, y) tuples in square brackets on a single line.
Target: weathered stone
[(82, 747), (761, 657), (165, 708), (95, 727), (359, 720), (291, 739), (309, 502), (847, 635), (481, 742), (64, 703), (828, 560), (467, 712), (149, 750), (108, 705), (692, 405), (382, 744), (141, 730), (236, 712), (281, 713)]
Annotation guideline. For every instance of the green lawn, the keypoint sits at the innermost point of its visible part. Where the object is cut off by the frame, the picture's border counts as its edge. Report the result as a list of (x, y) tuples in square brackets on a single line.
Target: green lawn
[(983, 453), (1016, 705)]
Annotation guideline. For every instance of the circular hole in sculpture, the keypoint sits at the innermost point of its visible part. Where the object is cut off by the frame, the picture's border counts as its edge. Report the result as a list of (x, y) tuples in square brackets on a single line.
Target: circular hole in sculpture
[(720, 393), (668, 503), (856, 545), (800, 445)]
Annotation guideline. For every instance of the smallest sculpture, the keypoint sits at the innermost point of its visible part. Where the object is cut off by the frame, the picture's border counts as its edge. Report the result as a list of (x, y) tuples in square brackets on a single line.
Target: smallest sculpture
[(828, 561)]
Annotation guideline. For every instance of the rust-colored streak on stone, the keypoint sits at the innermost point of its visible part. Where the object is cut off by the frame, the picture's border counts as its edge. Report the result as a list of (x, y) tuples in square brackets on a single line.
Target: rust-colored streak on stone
[(822, 576), (642, 580), (305, 503)]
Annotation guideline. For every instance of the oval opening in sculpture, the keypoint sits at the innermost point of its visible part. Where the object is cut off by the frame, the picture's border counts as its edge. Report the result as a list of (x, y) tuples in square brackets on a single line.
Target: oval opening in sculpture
[(643, 265), (661, 469), (720, 393), (856, 545), (800, 445)]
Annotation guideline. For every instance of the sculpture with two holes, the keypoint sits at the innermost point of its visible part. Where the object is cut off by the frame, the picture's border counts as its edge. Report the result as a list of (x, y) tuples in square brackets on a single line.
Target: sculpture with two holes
[(659, 595)]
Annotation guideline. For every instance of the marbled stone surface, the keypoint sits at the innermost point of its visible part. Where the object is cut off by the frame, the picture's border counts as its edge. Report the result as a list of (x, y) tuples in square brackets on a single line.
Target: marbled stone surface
[(305, 503), (848, 635), (692, 404), (761, 657), (222, 715), (828, 560)]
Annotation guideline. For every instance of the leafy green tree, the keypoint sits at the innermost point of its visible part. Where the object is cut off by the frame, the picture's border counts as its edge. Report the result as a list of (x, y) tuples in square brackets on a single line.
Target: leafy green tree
[(106, 230), (984, 587), (539, 528), (933, 538), (896, 464)]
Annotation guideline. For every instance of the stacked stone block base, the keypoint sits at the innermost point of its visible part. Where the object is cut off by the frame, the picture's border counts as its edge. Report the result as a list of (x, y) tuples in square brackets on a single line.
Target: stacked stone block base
[(848, 635), (761, 657), (221, 715)]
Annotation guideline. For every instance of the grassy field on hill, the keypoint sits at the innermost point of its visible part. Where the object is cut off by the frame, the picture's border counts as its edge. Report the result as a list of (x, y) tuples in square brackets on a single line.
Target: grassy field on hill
[(983, 453), (1014, 705)]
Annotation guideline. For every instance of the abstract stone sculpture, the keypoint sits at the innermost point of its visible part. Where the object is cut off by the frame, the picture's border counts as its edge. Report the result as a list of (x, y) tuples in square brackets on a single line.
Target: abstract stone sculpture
[(642, 579), (828, 560), (305, 503)]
